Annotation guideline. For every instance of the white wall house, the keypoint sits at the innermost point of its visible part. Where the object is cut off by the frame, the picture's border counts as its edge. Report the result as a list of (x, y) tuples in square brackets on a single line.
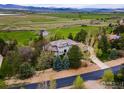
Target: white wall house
[(60, 47)]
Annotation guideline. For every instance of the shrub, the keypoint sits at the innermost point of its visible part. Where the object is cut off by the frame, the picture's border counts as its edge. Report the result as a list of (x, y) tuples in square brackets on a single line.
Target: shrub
[(70, 36), (81, 36), (52, 84), (25, 71), (78, 83), (108, 76), (2, 84), (113, 54)]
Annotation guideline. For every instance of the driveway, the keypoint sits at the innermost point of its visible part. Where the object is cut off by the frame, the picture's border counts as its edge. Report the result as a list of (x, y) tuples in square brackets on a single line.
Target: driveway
[(93, 56)]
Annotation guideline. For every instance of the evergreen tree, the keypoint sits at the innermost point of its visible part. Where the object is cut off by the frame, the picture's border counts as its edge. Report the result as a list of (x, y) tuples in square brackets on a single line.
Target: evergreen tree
[(65, 63), (75, 56), (57, 64), (78, 83), (113, 54), (70, 36)]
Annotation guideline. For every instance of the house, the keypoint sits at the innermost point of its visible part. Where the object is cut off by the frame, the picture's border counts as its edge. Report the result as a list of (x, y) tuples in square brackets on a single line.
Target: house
[(114, 37), (60, 47), (43, 32), (121, 22)]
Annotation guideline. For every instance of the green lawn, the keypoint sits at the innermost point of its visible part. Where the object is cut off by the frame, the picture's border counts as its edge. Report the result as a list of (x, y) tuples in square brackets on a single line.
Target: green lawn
[(22, 37), (65, 31), (85, 15)]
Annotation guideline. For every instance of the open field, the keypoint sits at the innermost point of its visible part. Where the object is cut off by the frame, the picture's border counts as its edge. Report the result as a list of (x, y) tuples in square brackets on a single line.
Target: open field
[(86, 15), (65, 31), (24, 27), (22, 37)]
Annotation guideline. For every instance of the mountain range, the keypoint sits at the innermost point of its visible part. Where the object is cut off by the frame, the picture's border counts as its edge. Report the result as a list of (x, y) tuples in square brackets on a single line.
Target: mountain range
[(54, 9)]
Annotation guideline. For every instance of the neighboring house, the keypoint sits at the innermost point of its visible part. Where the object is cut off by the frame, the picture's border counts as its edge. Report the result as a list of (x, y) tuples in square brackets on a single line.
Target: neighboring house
[(43, 32), (122, 22), (95, 22), (114, 37), (60, 47)]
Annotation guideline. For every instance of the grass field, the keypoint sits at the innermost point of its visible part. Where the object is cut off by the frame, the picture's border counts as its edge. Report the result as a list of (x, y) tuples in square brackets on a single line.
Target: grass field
[(65, 31), (60, 23), (21, 37), (86, 15)]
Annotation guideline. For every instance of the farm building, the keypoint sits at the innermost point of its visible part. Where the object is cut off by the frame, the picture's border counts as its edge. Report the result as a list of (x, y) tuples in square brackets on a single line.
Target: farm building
[(60, 47)]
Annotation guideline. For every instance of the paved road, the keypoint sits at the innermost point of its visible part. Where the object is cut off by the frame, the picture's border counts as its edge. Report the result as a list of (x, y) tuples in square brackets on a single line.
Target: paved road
[(1, 59), (68, 81)]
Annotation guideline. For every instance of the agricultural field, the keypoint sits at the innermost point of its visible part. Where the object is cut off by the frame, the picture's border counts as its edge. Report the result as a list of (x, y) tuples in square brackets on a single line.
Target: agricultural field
[(86, 15), (24, 27), (22, 37), (65, 31)]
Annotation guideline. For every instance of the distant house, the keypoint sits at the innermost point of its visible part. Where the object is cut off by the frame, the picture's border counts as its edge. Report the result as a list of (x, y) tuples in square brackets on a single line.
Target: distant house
[(43, 32), (60, 47), (122, 22), (114, 37)]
